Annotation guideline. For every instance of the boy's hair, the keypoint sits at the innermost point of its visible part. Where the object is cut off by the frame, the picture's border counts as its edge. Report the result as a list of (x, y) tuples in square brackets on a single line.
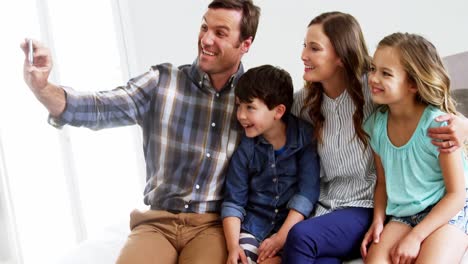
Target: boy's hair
[(250, 15), (345, 35), (424, 68), (270, 84)]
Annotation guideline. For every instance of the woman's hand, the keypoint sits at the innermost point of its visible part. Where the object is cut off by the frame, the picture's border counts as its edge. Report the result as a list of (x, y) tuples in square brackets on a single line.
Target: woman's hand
[(372, 235), (270, 247), (451, 137)]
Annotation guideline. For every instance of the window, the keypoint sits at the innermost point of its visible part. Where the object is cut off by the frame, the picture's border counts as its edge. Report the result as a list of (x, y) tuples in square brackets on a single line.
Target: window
[(59, 187)]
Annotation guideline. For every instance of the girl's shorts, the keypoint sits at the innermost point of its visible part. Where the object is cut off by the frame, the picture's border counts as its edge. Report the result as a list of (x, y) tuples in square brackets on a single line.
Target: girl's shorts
[(460, 220)]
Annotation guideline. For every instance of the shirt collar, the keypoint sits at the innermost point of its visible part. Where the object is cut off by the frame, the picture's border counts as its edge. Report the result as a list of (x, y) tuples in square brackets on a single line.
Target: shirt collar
[(203, 81), (292, 133)]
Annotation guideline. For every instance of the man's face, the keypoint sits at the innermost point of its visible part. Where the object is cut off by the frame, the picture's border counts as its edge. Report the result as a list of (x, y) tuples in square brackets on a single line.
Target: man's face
[(219, 48)]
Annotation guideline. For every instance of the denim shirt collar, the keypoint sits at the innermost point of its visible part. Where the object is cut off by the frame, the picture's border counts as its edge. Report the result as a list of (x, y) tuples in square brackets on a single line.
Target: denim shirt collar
[(203, 81), (292, 139)]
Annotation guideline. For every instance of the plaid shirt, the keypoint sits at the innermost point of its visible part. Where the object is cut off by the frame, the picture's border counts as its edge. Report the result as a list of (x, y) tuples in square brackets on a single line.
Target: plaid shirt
[(189, 131)]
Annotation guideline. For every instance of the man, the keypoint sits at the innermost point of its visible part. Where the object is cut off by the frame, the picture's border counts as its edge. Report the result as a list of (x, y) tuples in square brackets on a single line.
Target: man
[(189, 133)]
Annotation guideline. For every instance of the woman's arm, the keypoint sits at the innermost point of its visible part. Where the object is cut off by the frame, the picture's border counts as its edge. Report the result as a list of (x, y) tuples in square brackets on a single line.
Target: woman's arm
[(451, 137)]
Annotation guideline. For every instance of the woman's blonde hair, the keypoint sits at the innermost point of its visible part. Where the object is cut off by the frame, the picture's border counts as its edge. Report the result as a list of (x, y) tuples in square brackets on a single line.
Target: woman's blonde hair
[(424, 68), (345, 34)]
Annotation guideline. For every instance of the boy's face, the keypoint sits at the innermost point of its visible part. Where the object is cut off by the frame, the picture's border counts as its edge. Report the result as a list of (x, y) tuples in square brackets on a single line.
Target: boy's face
[(256, 118)]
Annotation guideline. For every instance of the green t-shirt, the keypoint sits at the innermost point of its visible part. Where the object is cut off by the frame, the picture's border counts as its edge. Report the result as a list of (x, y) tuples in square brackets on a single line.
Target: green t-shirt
[(413, 176)]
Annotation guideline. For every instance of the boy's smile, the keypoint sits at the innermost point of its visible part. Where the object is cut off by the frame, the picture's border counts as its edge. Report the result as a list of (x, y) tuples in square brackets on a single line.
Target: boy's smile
[(255, 117)]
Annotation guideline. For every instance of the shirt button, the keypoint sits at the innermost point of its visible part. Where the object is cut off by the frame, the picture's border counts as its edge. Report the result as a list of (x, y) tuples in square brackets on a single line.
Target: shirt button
[(200, 83), (272, 222), (277, 197), (272, 165), (197, 186), (208, 155), (186, 206), (213, 124), (274, 179), (276, 210), (217, 94)]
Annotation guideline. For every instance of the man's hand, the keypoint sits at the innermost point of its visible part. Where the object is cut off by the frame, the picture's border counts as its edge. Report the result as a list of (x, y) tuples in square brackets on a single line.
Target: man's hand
[(36, 75)]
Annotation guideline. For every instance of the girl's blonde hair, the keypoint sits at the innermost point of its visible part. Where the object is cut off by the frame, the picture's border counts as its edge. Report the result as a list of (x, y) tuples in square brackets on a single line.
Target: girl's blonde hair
[(345, 34), (424, 68)]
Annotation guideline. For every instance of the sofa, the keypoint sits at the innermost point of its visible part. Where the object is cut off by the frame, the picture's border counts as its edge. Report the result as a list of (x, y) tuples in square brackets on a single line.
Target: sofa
[(105, 249)]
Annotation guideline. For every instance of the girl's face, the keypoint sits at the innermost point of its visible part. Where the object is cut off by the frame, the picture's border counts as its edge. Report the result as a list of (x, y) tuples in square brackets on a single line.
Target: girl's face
[(388, 80), (320, 59)]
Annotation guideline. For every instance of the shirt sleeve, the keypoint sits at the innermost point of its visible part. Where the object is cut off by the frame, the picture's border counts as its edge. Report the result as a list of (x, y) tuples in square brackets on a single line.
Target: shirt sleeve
[(308, 180), (125, 105), (237, 183)]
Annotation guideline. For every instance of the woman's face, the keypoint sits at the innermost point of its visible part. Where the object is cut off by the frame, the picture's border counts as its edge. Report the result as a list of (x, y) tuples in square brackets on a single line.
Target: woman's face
[(320, 59)]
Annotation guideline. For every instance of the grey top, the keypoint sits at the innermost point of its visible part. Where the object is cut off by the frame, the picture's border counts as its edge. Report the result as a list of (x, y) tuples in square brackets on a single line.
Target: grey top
[(347, 170)]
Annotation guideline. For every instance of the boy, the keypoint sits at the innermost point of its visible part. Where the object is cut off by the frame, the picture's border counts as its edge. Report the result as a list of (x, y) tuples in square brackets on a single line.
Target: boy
[(273, 177)]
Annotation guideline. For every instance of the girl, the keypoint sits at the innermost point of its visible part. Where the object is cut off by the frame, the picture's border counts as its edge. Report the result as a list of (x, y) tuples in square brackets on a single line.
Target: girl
[(421, 189)]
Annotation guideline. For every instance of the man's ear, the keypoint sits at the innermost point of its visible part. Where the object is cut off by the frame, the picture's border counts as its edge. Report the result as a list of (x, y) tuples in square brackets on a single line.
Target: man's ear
[(280, 110), (245, 45)]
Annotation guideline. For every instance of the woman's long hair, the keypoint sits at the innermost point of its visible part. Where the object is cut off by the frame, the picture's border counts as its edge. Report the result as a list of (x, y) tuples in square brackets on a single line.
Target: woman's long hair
[(347, 39)]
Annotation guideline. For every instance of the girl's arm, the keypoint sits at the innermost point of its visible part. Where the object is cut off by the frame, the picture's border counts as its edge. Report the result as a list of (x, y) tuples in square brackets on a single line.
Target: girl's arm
[(273, 244), (450, 204), (231, 227), (380, 195), (380, 204)]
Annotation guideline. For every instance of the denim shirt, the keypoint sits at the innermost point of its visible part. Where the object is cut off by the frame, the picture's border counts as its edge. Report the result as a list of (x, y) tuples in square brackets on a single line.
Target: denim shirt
[(261, 188)]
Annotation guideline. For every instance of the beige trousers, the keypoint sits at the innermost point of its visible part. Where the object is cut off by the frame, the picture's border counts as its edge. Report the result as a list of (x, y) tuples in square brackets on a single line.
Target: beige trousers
[(161, 237)]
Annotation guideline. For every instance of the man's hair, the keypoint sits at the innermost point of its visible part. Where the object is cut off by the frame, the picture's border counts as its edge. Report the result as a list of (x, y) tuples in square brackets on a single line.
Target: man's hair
[(250, 15), (270, 84)]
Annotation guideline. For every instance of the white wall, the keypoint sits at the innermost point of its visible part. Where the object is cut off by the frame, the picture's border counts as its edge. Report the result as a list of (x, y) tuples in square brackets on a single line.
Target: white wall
[(166, 31)]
